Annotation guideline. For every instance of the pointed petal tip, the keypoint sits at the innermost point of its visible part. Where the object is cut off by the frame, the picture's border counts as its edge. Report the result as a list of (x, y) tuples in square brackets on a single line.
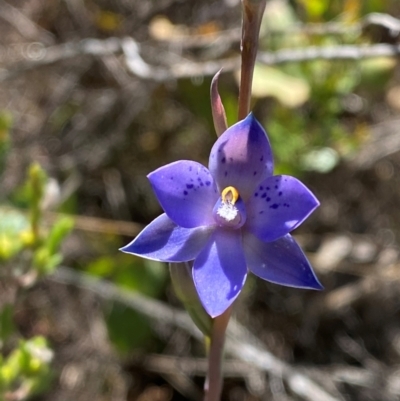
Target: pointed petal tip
[(252, 121), (250, 118), (318, 286), (315, 285), (124, 249), (128, 249), (217, 107), (217, 74), (312, 282)]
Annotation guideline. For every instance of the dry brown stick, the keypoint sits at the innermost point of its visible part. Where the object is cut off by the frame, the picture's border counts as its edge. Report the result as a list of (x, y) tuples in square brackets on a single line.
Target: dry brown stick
[(98, 225), (240, 347), (184, 69), (193, 366), (24, 25)]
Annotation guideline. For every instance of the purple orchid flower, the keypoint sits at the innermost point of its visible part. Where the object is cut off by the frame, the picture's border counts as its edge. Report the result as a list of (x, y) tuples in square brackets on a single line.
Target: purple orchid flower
[(229, 219)]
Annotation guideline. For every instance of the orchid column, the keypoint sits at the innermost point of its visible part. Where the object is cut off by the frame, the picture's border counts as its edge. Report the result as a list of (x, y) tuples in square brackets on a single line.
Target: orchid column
[(230, 219)]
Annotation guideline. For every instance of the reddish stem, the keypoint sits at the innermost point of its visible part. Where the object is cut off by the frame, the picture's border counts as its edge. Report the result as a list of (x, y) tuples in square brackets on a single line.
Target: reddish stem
[(253, 11), (213, 384)]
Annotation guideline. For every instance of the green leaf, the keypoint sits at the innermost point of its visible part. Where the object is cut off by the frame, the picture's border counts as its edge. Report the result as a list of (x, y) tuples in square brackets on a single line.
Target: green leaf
[(13, 224), (182, 281), (61, 228)]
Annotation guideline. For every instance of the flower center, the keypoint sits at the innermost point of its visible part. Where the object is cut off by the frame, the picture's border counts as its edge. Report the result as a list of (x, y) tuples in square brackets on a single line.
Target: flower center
[(229, 211), (230, 194)]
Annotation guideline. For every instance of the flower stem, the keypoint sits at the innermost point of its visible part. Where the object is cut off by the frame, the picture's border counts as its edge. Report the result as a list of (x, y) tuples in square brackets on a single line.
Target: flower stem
[(253, 11), (213, 383)]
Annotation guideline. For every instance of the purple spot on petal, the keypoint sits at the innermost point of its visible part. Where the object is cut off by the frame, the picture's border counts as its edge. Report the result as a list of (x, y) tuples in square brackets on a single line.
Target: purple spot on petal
[(185, 192), (255, 173), (268, 188), (189, 186), (268, 199), (263, 195), (261, 188), (256, 194), (261, 158), (190, 168), (208, 183), (223, 160), (231, 159), (226, 173), (276, 186), (261, 211), (280, 193), (274, 206)]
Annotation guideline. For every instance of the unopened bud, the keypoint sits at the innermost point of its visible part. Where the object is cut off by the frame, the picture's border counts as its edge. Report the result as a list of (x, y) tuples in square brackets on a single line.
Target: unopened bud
[(182, 280)]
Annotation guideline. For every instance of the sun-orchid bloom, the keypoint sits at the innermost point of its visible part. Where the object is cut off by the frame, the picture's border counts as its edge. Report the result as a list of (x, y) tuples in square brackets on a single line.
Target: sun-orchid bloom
[(229, 219)]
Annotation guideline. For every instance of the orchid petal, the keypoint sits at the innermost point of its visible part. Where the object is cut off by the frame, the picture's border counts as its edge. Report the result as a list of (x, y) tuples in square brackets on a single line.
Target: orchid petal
[(186, 192), (164, 241), (280, 262), (242, 157), (217, 108), (219, 271), (278, 206)]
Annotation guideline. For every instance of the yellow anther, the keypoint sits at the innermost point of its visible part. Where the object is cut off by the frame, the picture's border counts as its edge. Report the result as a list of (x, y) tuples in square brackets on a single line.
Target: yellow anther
[(230, 195)]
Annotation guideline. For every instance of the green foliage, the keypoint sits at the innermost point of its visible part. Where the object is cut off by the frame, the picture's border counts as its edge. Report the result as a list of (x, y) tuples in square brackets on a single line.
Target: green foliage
[(305, 123), (182, 281), (47, 256), (14, 228), (26, 370), (29, 248)]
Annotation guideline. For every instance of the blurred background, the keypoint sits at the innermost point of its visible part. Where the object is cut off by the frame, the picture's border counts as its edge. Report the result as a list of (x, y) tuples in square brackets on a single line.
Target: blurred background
[(94, 95)]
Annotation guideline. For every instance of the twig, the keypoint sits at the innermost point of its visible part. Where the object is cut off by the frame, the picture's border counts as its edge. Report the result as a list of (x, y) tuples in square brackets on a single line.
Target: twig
[(257, 355), (25, 26), (384, 20), (194, 366), (341, 52), (231, 36), (187, 69), (167, 365), (53, 54), (98, 225)]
